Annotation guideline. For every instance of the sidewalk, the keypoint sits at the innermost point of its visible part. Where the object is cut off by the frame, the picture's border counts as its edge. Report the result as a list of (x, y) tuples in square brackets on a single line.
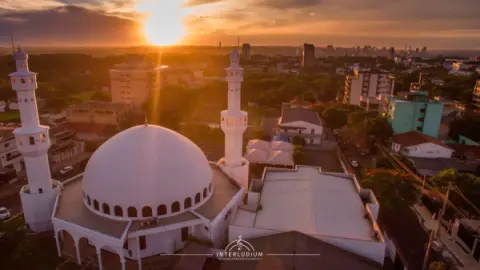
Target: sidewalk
[(430, 224)]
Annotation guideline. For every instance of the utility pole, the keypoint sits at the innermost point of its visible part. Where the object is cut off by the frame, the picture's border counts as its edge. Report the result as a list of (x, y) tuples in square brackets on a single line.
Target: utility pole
[(434, 233)]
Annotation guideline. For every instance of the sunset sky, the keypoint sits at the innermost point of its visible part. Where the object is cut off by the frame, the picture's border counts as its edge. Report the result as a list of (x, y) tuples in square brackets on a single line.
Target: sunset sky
[(442, 24)]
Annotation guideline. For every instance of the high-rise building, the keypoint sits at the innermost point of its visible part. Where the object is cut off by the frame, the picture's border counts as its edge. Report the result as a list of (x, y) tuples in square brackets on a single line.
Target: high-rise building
[(366, 86), (415, 112), (246, 48), (308, 55), (33, 141), (391, 53), (234, 123), (133, 82), (476, 96)]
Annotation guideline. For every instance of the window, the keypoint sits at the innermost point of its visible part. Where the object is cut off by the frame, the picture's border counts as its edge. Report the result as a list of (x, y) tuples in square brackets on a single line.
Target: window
[(20, 141), (118, 211), (197, 198), (175, 207), (204, 193), (6, 145), (187, 203), (162, 210), (31, 140), (312, 131), (143, 242), (147, 211), (95, 205), (40, 190), (184, 234), (22, 80), (228, 215), (206, 228), (43, 137), (132, 211), (88, 200), (210, 187), (106, 209)]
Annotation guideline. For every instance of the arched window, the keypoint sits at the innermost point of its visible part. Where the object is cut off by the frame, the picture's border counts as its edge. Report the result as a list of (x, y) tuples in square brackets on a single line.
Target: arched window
[(175, 207), (187, 203), (162, 210), (204, 193), (106, 209), (88, 200), (31, 139), (210, 187), (95, 205), (147, 211), (118, 211), (197, 198), (132, 211)]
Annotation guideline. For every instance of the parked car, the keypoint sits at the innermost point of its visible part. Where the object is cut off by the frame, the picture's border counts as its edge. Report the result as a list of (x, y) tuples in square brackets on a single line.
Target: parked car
[(66, 169), (354, 163), (4, 213)]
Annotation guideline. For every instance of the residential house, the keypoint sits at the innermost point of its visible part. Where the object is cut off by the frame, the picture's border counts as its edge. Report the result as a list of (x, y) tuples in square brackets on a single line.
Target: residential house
[(416, 144), (303, 122)]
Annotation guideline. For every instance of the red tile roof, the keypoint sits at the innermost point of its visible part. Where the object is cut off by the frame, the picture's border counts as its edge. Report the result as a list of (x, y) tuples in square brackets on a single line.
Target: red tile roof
[(415, 138), (469, 151), (85, 128)]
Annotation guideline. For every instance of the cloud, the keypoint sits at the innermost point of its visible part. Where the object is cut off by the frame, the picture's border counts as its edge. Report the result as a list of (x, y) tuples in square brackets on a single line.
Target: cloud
[(201, 2), (70, 25), (285, 4)]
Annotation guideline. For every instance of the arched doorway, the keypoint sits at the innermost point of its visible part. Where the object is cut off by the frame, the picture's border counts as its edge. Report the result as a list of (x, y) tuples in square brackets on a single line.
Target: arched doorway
[(110, 258), (67, 244)]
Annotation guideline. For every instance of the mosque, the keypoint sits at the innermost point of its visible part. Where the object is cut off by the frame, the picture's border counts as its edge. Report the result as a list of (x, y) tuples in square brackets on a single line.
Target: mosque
[(148, 189)]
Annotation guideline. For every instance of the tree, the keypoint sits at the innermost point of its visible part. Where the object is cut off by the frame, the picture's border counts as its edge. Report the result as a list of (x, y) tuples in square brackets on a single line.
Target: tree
[(390, 186), (384, 163), (467, 183), (356, 117), (298, 140), (437, 266), (378, 128), (259, 134), (297, 154), (101, 96), (334, 118)]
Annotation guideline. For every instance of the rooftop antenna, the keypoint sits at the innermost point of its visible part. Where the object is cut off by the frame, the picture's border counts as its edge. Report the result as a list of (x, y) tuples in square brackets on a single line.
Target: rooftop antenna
[(13, 45)]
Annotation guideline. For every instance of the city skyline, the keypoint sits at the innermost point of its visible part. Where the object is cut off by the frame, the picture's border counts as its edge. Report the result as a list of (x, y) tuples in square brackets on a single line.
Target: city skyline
[(436, 24)]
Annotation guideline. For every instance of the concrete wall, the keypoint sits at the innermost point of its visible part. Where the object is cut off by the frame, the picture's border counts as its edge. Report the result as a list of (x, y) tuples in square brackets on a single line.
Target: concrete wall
[(318, 130), (220, 225), (165, 242), (433, 118), (427, 150)]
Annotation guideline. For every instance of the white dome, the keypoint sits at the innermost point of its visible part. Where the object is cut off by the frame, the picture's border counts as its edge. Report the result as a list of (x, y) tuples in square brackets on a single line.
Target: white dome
[(146, 166)]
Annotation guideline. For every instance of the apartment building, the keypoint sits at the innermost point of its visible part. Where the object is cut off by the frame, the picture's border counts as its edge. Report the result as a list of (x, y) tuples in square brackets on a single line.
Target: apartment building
[(246, 51), (415, 112), (308, 55), (132, 83), (476, 96), (365, 88), (97, 112)]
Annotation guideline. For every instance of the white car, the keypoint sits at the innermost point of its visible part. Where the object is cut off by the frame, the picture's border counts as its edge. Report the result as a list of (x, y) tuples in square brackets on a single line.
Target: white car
[(66, 169), (4, 213), (354, 163)]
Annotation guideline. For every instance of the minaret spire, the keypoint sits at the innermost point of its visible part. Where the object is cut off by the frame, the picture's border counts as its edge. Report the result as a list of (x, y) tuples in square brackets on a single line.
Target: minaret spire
[(33, 142), (234, 123)]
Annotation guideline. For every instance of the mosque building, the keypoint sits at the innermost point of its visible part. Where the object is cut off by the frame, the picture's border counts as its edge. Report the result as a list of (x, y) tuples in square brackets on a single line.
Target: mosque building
[(148, 189)]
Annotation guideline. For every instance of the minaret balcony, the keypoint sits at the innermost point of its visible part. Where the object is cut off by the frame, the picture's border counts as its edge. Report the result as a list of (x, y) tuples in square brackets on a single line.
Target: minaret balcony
[(237, 121), (32, 144)]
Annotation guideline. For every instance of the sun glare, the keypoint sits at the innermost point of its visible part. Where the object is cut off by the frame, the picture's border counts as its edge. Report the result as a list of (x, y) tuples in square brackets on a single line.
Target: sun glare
[(164, 21)]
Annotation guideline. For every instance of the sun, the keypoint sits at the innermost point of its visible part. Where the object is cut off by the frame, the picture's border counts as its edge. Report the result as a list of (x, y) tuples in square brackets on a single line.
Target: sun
[(163, 24)]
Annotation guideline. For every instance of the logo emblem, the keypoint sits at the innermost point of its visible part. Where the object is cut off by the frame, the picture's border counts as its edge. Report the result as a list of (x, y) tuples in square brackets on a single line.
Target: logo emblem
[(239, 249)]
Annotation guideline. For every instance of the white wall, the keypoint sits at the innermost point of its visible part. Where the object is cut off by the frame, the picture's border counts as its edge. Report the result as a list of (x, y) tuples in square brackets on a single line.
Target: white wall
[(372, 87), (165, 242), (248, 232), (220, 225), (308, 127), (427, 150), (356, 91)]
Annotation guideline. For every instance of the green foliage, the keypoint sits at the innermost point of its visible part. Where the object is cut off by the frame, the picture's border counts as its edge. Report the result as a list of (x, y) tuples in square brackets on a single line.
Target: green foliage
[(259, 134), (91, 147), (101, 96), (468, 184), (298, 154), (357, 117), (437, 266), (298, 140), (378, 128), (334, 118), (467, 127), (384, 163), (391, 186)]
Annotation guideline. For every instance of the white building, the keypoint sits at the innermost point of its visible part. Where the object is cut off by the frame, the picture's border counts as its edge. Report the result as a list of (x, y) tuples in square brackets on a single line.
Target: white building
[(148, 190), (39, 195), (365, 87), (10, 158), (299, 121), (328, 206), (133, 83), (416, 144), (458, 66)]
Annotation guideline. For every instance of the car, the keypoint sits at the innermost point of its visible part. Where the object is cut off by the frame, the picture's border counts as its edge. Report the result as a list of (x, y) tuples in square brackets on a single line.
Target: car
[(66, 169), (4, 213), (354, 163)]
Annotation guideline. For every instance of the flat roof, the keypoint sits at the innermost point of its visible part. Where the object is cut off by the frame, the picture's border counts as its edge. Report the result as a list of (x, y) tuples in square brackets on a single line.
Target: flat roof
[(71, 208), (315, 202), (224, 189)]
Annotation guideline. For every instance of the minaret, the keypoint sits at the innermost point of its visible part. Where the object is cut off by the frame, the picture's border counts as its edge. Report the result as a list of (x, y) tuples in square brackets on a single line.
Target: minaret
[(38, 197), (234, 123)]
